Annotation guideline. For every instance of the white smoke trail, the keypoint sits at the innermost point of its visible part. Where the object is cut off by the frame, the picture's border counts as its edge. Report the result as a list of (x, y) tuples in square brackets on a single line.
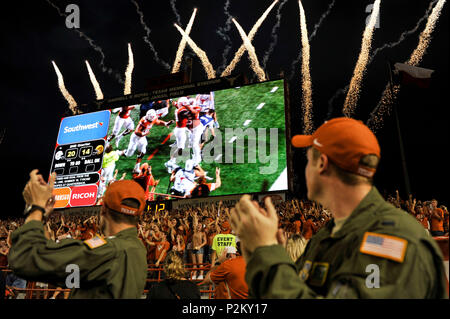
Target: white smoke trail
[(313, 34), (95, 84), (175, 11), (251, 53), (223, 33), (129, 71), (307, 103), (94, 46), (200, 53), (375, 120), (250, 36), (69, 98), (147, 37), (179, 55), (355, 84), (389, 45), (274, 36)]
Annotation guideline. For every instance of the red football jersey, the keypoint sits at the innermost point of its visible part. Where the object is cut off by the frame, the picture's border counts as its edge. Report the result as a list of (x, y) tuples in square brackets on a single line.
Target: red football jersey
[(125, 112), (144, 126)]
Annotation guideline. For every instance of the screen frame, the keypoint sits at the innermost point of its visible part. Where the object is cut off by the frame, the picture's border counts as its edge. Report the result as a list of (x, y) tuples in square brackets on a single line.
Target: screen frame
[(192, 88)]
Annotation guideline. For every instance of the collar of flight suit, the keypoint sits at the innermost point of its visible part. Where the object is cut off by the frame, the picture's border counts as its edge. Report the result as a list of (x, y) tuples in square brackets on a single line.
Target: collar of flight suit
[(129, 232), (359, 217)]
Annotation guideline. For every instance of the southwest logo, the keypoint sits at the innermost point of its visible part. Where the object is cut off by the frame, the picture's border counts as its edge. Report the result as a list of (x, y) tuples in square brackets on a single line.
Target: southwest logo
[(84, 127)]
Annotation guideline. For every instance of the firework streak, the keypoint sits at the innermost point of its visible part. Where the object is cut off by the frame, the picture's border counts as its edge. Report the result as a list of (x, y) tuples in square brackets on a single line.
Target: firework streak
[(200, 53), (355, 84), (95, 84), (69, 98), (129, 71), (179, 55), (376, 117), (306, 75), (251, 53), (250, 36)]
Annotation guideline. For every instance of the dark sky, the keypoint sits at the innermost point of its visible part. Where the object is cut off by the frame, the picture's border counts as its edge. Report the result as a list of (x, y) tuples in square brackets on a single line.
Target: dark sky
[(33, 34)]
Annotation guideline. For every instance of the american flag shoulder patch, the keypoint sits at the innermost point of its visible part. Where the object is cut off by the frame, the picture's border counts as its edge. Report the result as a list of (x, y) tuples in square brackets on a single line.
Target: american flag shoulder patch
[(95, 242), (384, 246)]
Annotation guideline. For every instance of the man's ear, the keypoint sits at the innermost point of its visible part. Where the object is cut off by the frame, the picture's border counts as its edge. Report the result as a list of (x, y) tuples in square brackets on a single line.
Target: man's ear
[(323, 163)]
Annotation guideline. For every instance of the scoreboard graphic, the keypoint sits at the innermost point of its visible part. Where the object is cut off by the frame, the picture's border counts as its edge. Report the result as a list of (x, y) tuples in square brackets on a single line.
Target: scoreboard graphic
[(77, 159)]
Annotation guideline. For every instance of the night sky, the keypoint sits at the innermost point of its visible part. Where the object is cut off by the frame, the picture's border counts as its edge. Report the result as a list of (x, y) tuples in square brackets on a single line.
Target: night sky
[(34, 34)]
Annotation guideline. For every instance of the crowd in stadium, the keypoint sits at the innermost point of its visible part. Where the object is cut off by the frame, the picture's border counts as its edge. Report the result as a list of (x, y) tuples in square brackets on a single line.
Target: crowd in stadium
[(190, 233)]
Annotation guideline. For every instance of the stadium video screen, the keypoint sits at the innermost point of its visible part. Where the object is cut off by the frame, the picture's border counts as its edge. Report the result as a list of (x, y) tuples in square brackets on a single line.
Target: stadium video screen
[(223, 142)]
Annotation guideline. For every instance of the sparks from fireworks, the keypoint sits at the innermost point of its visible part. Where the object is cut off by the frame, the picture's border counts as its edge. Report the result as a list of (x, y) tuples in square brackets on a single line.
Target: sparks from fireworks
[(179, 55), (211, 74), (147, 37), (251, 53), (389, 45), (384, 106), (129, 71), (95, 84), (355, 84), (306, 75), (250, 36), (69, 98)]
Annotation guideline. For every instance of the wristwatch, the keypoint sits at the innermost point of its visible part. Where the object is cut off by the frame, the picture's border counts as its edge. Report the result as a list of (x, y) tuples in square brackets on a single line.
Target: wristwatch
[(31, 208)]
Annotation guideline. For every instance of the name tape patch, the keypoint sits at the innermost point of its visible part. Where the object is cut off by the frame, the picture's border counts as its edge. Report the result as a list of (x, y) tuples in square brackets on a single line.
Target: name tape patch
[(384, 246)]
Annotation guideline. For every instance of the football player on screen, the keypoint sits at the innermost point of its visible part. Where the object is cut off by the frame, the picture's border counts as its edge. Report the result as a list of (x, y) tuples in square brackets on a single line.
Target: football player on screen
[(184, 179), (161, 107), (122, 119), (138, 139), (183, 118), (206, 104)]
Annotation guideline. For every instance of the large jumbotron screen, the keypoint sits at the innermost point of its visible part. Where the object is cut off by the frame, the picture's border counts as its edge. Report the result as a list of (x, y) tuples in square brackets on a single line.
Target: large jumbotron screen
[(210, 143)]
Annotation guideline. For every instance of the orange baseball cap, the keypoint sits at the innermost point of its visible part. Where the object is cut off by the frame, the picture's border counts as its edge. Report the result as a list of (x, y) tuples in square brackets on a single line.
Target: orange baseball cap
[(345, 141), (120, 190)]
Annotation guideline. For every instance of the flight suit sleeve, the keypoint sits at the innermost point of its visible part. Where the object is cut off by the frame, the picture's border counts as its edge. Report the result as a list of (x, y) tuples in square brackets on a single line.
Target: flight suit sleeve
[(418, 276), (34, 257), (271, 274)]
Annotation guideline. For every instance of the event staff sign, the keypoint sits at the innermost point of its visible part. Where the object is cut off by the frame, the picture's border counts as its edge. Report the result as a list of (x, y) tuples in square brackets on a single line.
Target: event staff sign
[(77, 159)]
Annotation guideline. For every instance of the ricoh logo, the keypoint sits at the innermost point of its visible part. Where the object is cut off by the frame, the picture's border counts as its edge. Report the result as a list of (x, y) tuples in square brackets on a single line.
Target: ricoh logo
[(83, 195), (81, 127)]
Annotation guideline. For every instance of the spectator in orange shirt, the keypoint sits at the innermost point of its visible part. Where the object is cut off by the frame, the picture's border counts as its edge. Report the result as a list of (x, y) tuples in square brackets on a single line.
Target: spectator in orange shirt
[(308, 228), (297, 224), (437, 219), (162, 247), (229, 276), (445, 210), (421, 217)]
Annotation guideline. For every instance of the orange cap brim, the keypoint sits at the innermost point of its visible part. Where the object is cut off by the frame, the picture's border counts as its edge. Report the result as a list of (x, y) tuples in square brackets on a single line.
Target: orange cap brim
[(302, 141)]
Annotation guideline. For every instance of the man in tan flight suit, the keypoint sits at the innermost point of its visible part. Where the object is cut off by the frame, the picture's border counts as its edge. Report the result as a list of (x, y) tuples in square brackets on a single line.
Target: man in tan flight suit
[(370, 249), (110, 267)]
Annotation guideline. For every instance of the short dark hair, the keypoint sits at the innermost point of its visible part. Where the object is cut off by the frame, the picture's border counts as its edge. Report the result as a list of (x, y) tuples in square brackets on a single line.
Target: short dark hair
[(347, 177), (120, 218)]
